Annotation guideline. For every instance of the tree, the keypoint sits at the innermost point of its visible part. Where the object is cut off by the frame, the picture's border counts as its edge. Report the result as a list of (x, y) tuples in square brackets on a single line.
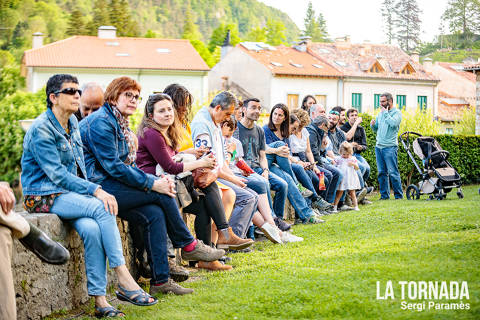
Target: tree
[(407, 24), (150, 34), (76, 26), (257, 34), (121, 18), (101, 16), (316, 28), (275, 32), (190, 32), (463, 16), (388, 11), (219, 34)]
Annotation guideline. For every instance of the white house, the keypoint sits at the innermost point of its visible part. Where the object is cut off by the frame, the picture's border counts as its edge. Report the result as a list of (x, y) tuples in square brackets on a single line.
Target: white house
[(368, 70), (339, 73), (154, 63), (275, 75)]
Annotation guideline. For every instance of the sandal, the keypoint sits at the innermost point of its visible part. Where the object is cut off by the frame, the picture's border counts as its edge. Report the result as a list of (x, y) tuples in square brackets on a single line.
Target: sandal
[(108, 312), (136, 297)]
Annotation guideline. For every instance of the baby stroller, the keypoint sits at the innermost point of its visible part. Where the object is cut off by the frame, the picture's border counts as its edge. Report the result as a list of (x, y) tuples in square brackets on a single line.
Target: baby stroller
[(439, 177)]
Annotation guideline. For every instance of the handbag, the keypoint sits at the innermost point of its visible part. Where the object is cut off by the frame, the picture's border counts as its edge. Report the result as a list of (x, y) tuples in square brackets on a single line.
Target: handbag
[(203, 177)]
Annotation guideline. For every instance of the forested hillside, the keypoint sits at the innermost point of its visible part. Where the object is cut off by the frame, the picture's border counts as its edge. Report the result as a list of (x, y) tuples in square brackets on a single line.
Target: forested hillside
[(58, 19)]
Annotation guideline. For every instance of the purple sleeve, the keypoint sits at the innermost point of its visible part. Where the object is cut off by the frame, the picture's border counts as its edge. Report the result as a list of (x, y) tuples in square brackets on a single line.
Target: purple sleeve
[(160, 151)]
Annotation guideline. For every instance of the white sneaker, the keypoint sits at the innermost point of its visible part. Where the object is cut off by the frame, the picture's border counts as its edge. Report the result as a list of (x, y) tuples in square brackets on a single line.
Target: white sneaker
[(345, 208), (288, 237), (271, 232), (356, 209)]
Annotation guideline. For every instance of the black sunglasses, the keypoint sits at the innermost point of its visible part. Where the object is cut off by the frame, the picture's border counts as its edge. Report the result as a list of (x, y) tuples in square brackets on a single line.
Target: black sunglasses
[(69, 91)]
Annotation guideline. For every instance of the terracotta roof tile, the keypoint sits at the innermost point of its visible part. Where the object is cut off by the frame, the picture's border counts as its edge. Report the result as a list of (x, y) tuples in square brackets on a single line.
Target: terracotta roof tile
[(288, 61), (118, 53), (349, 59), (455, 67)]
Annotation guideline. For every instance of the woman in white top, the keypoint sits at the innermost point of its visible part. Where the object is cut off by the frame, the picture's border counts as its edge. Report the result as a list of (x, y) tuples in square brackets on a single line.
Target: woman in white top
[(300, 147)]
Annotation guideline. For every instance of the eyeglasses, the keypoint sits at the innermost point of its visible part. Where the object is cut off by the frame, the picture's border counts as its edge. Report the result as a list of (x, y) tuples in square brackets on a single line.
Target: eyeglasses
[(130, 96), (69, 91), (335, 113)]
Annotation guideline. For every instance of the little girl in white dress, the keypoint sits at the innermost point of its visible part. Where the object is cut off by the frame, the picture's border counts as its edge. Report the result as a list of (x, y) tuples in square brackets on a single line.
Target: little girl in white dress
[(348, 165)]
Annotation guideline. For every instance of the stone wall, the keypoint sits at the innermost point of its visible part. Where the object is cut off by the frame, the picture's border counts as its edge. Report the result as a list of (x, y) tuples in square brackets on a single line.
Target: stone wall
[(43, 288)]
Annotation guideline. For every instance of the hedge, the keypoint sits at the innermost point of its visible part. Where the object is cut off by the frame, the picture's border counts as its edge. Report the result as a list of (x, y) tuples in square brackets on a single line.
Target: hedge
[(464, 156)]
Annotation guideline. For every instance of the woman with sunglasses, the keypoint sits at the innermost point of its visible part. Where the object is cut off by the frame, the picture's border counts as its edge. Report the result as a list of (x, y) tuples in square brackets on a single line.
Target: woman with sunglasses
[(143, 199), (54, 180), (158, 135)]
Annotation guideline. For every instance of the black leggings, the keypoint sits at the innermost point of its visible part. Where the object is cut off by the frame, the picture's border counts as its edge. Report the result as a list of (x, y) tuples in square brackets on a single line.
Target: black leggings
[(208, 206)]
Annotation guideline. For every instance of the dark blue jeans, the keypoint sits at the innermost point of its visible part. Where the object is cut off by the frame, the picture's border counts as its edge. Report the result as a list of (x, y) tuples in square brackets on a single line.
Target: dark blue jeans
[(158, 215), (387, 165), (335, 177)]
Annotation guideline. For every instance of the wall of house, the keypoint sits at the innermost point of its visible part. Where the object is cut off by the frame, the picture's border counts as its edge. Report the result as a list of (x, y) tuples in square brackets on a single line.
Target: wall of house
[(283, 86), (453, 83), (245, 71), (150, 80), (369, 87)]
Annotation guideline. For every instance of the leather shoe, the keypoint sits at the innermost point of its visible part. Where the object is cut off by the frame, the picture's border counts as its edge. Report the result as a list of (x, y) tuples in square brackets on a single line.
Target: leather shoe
[(42, 246)]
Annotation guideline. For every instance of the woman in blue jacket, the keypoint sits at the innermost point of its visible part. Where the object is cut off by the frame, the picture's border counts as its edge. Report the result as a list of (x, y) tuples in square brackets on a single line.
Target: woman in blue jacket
[(144, 200), (54, 180)]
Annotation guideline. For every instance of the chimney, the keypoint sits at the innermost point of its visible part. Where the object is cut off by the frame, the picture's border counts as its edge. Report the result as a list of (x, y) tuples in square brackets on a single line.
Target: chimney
[(303, 43), (343, 42), (226, 46), (107, 32), (427, 64), (37, 40), (415, 56)]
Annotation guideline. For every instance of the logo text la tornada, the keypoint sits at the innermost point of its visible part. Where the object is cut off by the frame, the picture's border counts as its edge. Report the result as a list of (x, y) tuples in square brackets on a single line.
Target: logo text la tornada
[(423, 290)]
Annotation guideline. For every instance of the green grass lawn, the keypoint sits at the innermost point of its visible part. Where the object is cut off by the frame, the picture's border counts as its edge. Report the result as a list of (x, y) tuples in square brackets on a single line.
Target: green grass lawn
[(333, 273)]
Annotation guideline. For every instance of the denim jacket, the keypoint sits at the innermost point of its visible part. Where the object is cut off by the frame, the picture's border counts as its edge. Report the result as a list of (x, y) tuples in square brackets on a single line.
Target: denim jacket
[(106, 149), (49, 161)]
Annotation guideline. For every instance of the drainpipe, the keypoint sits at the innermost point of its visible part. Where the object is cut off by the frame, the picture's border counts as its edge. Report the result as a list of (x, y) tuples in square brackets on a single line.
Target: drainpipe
[(339, 92)]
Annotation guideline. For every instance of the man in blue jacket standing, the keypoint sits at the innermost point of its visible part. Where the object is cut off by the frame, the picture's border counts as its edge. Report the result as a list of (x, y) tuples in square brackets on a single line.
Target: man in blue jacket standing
[(386, 126)]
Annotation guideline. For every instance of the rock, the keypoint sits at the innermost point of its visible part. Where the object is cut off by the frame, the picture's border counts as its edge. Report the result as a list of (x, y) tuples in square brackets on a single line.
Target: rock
[(43, 288)]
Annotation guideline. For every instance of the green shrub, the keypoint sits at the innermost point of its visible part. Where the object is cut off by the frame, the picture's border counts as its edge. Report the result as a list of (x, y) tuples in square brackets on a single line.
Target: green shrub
[(20, 105), (464, 156)]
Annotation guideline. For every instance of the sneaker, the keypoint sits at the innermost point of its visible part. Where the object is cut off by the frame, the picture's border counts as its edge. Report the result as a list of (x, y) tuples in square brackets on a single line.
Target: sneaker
[(345, 208), (202, 252), (313, 220), (245, 250), (356, 209), (318, 213), (365, 201), (370, 190), (361, 195), (281, 224), (178, 273), (271, 232), (170, 287), (288, 237), (321, 204), (305, 192)]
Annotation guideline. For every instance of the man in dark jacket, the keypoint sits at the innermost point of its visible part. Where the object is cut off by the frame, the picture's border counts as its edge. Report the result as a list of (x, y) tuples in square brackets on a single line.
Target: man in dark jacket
[(355, 134), (317, 130)]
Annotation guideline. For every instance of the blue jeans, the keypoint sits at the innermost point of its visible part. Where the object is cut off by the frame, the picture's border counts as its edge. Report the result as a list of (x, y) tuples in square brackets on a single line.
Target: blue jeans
[(336, 178), (99, 233), (245, 206), (281, 190), (282, 162), (306, 179), (364, 166), (277, 178), (260, 185), (157, 214), (387, 165)]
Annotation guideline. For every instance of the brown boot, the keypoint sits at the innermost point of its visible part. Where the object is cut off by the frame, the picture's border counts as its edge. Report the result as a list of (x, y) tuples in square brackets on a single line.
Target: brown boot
[(214, 266), (229, 240)]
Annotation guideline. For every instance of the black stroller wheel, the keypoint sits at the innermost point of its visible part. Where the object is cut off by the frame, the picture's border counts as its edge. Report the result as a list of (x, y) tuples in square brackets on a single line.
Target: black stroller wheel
[(460, 194), (412, 192)]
